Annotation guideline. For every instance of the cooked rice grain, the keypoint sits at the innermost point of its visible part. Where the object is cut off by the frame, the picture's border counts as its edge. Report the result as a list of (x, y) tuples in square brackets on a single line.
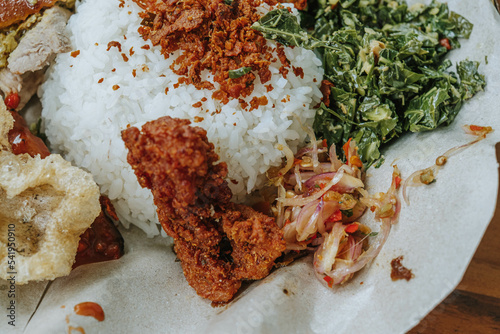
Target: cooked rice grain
[(84, 115)]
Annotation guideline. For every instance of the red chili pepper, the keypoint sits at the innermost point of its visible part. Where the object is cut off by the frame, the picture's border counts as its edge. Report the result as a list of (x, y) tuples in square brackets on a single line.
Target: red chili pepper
[(12, 101), (322, 185), (476, 128), (397, 181), (337, 216), (445, 42), (351, 228), (356, 161), (346, 149), (296, 161), (328, 280), (325, 144)]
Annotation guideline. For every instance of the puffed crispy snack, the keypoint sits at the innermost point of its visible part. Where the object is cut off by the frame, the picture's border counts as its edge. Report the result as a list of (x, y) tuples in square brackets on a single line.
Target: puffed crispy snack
[(45, 205), (6, 124)]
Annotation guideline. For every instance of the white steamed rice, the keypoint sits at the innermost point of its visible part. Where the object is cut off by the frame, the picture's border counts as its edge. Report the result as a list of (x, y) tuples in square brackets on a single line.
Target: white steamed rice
[(84, 118)]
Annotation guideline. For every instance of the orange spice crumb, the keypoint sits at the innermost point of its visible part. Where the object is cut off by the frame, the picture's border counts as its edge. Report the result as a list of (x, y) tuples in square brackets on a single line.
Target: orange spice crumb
[(114, 44), (100, 80), (125, 58), (286, 99), (243, 104), (197, 104), (298, 71), (258, 101), (134, 72), (198, 119), (116, 87), (214, 38), (75, 54)]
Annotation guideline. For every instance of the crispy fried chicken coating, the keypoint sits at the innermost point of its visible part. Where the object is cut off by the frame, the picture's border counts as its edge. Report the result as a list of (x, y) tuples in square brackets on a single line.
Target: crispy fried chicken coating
[(219, 243)]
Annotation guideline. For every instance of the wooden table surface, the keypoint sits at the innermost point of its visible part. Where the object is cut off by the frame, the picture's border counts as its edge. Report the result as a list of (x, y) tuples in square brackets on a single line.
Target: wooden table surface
[(474, 306)]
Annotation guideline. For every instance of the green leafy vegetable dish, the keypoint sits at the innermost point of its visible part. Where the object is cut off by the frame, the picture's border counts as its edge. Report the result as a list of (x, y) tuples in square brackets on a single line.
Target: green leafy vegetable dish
[(385, 67)]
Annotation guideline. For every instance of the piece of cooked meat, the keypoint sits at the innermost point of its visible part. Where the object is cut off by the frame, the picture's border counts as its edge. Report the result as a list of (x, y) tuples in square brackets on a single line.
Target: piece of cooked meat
[(24, 85), (42, 43), (255, 239), (102, 241), (23, 141), (219, 243), (14, 11), (30, 37)]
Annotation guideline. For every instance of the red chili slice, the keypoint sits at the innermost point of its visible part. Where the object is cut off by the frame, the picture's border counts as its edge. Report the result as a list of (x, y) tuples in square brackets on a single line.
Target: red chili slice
[(351, 228), (445, 42)]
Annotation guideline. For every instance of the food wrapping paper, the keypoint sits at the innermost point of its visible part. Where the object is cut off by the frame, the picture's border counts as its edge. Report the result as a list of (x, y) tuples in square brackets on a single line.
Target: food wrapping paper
[(437, 233)]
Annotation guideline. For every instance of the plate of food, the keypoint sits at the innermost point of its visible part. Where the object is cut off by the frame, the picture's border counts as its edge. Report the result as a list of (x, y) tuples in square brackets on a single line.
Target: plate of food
[(242, 166)]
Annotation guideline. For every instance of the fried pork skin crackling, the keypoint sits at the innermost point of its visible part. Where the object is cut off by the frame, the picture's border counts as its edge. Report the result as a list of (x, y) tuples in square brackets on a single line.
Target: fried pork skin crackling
[(47, 204), (219, 243), (12, 11)]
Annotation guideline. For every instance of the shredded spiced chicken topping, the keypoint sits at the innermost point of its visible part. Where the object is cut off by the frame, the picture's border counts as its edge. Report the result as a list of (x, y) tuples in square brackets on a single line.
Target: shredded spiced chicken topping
[(214, 35)]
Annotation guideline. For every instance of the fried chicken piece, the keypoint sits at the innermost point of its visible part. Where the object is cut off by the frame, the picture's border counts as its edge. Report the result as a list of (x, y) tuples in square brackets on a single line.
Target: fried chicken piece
[(255, 239), (219, 243)]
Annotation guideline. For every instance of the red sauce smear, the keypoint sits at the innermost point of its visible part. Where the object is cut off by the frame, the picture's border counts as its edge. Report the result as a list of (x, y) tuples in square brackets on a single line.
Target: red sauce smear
[(23, 141), (399, 271), (90, 309), (101, 241)]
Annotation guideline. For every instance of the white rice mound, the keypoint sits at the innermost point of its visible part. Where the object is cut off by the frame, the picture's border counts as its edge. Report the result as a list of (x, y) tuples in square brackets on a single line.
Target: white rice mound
[(84, 118)]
